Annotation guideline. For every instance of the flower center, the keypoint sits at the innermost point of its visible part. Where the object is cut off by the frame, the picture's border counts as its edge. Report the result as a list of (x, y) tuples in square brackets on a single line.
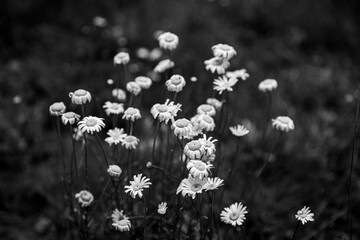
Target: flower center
[(130, 139), (181, 123), (69, 115), (206, 108), (207, 119), (200, 166), (194, 145), (217, 62), (176, 80), (131, 111), (80, 93), (162, 108), (169, 38), (57, 107), (114, 106), (224, 47), (196, 187), (90, 122), (136, 187), (122, 222), (86, 197), (234, 216)]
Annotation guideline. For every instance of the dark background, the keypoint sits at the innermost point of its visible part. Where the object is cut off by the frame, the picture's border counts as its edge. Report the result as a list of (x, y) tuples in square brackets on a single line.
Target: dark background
[(49, 48)]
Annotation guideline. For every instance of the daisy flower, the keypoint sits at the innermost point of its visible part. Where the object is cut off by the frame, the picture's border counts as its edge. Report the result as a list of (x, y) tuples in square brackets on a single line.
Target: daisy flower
[(223, 51), (203, 122), (57, 109), (283, 123), (239, 130), (166, 111), (131, 114), (268, 85), (218, 65), (69, 117), (144, 82), (91, 124), (223, 83), (191, 186), (168, 41), (120, 221), (80, 96), (214, 183), (116, 135), (209, 144), (77, 134), (113, 108), (133, 87), (85, 198), (242, 74), (119, 94), (138, 185), (164, 65), (162, 207), (176, 83), (234, 215), (206, 109), (198, 169), (121, 58), (114, 171), (130, 142), (182, 128), (304, 215), (214, 102), (194, 149)]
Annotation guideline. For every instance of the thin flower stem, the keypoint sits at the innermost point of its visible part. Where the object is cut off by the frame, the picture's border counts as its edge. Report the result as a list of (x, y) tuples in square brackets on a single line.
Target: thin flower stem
[(85, 154), (99, 200), (74, 155), (233, 160), (125, 74), (154, 142), (61, 151), (349, 216), (167, 173), (268, 118), (129, 156), (145, 215), (131, 99), (131, 127), (259, 172), (297, 226), (102, 149), (175, 96)]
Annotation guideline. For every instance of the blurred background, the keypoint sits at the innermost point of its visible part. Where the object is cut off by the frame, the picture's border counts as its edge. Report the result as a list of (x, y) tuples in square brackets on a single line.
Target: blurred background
[(50, 48)]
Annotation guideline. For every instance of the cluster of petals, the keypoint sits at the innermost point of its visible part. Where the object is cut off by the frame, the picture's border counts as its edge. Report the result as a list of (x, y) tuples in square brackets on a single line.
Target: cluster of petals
[(165, 112), (164, 65), (168, 41), (283, 123), (116, 136), (114, 171), (176, 83), (91, 124), (113, 108), (57, 109), (214, 102), (268, 85), (130, 142), (133, 87), (224, 84), (182, 128), (162, 207), (191, 186), (223, 51), (85, 198), (122, 58), (70, 117), (119, 94), (208, 144), (194, 149), (120, 221), (234, 215), (216, 64), (242, 74), (203, 122), (198, 169), (143, 82), (214, 183), (80, 97), (132, 114), (207, 109), (239, 130), (304, 215), (137, 186)]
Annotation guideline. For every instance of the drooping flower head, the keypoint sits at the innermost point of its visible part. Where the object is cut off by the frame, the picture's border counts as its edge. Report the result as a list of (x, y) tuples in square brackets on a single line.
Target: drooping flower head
[(137, 186), (304, 215), (70, 117), (268, 85), (130, 142), (144, 82), (234, 215), (203, 122), (209, 144), (214, 102), (194, 149), (191, 186), (133, 87), (120, 221), (113, 108), (216, 64), (164, 65), (162, 207), (165, 112), (283, 123), (214, 183), (91, 124), (85, 198), (223, 83), (132, 114), (176, 83), (119, 94), (122, 58), (57, 109), (116, 135), (239, 130), (242, 74), (206, 109), (80, 97), (114, 171), (198, 169), (182, 128), (168, 41), (223, 51)]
